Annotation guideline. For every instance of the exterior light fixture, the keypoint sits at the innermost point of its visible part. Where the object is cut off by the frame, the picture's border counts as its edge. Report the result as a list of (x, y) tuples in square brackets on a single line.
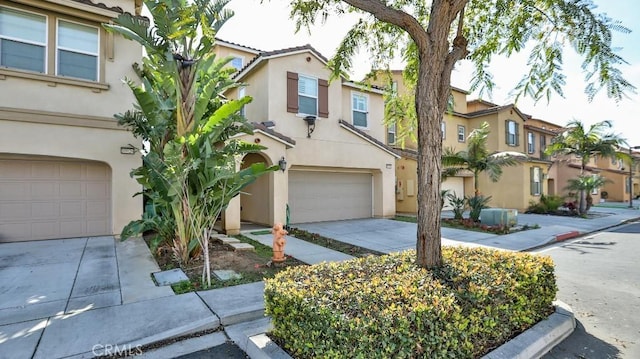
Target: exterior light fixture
[(128, 150), (282, 164), (311, 124)]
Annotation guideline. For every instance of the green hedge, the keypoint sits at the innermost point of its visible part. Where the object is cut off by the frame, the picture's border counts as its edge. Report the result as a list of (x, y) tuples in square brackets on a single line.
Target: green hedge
[(388, 307)]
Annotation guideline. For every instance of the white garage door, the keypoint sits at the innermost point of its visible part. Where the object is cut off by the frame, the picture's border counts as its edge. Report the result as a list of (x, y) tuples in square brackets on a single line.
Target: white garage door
[(327, 196), (46, 198), (454, 185)]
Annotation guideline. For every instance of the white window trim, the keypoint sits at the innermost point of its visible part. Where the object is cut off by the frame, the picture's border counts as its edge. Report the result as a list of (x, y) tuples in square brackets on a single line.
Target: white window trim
[(302, 114), (443, 128), (366, 99), (97, 55), (531, 145), (392, 129), (464, 133), (232, 55), (514, 133), (46, 37), (539, 182), (242, 92)]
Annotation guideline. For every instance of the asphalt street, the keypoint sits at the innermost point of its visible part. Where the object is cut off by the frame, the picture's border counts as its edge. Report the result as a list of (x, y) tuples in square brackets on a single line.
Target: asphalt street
[(599, 277)]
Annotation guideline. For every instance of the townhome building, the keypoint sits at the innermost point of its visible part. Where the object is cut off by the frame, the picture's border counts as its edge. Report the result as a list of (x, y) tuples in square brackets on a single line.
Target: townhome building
[(64, 162), (512, 131), (327, 137)]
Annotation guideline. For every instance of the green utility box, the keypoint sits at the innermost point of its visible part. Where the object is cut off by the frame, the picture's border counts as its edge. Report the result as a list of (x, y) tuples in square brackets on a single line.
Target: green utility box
[(499, 217)]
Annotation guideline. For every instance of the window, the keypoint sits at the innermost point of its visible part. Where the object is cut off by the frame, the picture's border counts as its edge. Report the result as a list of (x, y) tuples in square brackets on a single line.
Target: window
[(512, 129), (595, 190), (237, 62), (627, 185), (536, 184), (307, 96), (241, 94), (531, 145), (394, 87), (443, 127), (359, 109), (77, 51), (32, 42), (543, 146), (461, 134), (391, 134), (23, 40)]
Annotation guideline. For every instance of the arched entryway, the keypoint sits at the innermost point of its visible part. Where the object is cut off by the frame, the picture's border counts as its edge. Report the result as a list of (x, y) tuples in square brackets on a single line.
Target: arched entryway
[(255, 199)]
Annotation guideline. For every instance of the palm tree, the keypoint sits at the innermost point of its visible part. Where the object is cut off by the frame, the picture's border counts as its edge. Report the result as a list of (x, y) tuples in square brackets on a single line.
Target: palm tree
[(586, 184), (576, 140), (476, 158)]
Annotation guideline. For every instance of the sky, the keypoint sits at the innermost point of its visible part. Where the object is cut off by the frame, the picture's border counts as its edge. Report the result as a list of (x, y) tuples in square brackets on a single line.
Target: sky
[(266, 25)]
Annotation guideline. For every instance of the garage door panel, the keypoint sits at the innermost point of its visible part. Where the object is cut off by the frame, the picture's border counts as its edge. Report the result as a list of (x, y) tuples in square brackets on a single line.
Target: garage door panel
[(14, 190), (71, 171), (45, 209), (325, 196), (48, 198), (455, 185), (75, 189)]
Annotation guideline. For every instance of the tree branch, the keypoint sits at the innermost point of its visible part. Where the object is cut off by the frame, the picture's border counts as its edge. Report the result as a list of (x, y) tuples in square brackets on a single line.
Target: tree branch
[(395, 17)]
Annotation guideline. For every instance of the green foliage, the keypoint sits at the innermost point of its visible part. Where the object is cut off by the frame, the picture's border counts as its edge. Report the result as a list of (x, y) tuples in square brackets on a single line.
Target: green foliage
[(189, 174), (444, 193), (477, 158), (476, 205), (546, 204), (387, 306), (459, 205), (586, 184)]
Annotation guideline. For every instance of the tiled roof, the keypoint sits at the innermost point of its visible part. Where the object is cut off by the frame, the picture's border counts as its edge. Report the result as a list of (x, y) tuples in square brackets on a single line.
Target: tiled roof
[(101, 5), (405, 152), (269, 54), (260, 127), (497, 109), (368, 137), (249, 48), (540, 129)]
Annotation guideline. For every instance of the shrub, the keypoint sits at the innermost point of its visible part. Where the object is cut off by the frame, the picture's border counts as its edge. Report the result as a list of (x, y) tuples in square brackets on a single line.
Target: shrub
[(476, 205), (380, 307), (547, 204), (459, 204)]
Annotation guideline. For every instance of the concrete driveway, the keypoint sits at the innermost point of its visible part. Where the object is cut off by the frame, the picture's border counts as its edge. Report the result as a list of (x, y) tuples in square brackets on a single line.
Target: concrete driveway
[(45, 281)]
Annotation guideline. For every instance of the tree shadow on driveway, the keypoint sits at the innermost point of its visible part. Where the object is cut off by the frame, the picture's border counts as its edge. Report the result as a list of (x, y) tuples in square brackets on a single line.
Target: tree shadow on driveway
[(581, 344)]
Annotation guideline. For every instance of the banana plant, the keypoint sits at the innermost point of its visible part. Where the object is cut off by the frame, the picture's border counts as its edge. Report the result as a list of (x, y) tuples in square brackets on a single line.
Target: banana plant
[(190, 171)]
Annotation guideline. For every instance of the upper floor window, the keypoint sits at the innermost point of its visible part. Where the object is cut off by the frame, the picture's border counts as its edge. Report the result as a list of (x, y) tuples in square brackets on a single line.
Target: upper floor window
[(77, 54), (531, 145), (237, 62), (71, 51), (307, 96), (394, 87), (443, 128), (391, 133), (461, 133), (512, 133), (359, 109), (543, 146), (23, 40)]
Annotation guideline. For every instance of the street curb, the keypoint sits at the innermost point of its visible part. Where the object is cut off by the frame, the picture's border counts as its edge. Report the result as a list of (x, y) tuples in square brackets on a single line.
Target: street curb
[(532, 343), (568, 235), (539, 339)]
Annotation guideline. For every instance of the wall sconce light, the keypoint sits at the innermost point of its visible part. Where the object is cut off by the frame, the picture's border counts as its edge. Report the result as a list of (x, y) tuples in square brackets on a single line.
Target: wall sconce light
[(282, 164), (311, 124), (128, 150)]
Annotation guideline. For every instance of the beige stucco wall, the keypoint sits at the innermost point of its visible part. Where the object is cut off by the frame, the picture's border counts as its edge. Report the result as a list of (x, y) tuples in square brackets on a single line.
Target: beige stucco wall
[(48, 115), (269, 207), (94, 144), (330, 147)]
